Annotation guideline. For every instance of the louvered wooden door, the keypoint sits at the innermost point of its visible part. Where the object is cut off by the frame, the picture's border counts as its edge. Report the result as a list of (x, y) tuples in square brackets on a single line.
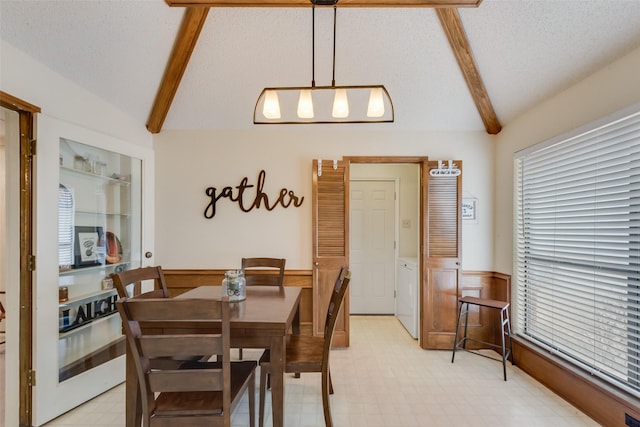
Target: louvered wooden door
[(440, 298), (331, 243)]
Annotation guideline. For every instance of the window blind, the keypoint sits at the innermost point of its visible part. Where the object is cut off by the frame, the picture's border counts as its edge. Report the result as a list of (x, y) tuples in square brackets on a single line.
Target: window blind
[(65, 226), (577, 238)]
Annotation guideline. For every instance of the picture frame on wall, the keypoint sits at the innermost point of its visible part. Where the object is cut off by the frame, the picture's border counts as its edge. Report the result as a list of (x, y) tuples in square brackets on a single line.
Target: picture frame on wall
[(89, 249), (470, 209)]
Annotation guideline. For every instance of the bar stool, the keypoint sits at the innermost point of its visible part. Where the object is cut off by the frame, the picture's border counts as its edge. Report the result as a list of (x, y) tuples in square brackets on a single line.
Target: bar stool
[(505, 327)]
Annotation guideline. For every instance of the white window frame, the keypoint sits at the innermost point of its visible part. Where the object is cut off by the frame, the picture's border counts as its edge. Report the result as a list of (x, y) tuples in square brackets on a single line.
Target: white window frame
[(577, 254)]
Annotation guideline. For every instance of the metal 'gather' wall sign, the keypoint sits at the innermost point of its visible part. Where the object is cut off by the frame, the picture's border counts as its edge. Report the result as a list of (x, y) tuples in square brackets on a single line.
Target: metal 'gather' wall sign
[(237, 194)]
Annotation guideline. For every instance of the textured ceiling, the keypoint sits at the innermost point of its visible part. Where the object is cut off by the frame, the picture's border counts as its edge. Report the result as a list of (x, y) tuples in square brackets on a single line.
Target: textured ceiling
[(525, 51)]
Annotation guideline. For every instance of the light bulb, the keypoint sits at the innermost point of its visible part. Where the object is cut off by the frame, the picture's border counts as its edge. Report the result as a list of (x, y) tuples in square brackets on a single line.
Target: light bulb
[(271, 107), (376, 104), (341, 104), (305, 104)]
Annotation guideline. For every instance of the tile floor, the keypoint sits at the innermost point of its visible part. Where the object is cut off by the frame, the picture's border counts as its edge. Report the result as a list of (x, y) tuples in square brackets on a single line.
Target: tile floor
[(385, 379)]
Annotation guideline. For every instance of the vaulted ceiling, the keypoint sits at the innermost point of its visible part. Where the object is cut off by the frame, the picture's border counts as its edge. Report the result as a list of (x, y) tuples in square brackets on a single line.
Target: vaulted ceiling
[(449, 65)]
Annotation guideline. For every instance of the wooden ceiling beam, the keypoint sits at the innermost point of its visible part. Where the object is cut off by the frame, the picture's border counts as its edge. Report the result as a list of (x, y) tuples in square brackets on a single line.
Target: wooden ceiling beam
[(452, 25), (196, 14), (341, 3), (186, 40)]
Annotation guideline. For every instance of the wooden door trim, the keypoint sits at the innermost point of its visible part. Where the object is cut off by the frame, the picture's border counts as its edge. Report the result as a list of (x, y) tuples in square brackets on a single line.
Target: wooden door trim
[(27, 118), (422, 161)]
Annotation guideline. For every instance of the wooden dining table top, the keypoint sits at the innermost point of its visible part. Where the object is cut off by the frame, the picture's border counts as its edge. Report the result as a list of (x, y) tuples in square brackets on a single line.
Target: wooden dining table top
[(266, 307)]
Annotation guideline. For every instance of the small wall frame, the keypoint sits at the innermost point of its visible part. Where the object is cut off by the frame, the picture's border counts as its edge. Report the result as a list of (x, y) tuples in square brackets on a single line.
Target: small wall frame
[(470, 209)]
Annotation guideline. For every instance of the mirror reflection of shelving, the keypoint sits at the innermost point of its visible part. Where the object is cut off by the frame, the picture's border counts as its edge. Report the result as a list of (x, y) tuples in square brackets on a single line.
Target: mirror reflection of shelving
[(99, 234)]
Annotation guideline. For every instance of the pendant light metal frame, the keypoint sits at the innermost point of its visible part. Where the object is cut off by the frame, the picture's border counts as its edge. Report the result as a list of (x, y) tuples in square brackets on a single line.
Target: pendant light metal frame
[(259, 118)]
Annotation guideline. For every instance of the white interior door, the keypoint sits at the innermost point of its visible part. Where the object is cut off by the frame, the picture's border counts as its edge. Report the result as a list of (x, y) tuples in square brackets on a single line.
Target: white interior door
[(372, 258)]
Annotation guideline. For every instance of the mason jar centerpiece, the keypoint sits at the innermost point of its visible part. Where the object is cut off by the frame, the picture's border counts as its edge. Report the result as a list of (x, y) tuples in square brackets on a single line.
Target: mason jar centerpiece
[(234, 285)]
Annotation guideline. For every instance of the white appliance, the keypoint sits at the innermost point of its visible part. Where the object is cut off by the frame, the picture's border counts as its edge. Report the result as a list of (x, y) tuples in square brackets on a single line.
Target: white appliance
[(407, 294)]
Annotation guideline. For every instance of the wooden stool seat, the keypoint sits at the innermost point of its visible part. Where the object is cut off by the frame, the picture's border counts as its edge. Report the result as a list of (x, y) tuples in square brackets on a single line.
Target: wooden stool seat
[(505, 327)]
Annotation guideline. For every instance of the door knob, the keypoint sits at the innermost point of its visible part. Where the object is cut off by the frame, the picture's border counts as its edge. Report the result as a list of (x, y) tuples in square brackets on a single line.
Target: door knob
[(148, 254)]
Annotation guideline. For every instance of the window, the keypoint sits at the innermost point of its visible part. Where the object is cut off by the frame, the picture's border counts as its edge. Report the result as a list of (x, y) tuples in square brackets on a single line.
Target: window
[(577, 271)]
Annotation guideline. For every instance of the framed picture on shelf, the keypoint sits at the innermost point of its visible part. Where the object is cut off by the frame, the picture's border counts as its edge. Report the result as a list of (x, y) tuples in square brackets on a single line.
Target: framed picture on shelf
[(89, 249)]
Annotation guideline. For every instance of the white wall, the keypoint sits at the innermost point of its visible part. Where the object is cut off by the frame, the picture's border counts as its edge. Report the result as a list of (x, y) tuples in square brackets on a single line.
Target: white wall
[(614, 87), (187, 162), (30, 81)]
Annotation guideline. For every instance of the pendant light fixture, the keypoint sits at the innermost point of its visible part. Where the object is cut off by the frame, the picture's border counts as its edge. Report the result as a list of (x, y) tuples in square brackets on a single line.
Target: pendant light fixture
[(324, 104)]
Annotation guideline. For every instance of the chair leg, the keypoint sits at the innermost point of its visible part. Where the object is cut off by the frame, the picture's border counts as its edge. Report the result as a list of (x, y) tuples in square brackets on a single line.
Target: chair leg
[(263, 392), (330, 383), (240, 353), (326, 385)]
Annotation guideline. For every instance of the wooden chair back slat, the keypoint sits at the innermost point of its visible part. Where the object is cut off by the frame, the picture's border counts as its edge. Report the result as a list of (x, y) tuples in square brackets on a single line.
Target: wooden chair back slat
[(186, 380), (180, 345), (337, 296), (185, 310), (2, 317), (135, 277)]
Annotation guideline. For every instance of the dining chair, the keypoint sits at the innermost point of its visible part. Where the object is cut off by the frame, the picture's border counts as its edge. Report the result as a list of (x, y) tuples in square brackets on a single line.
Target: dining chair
[(135, 277), (2, 317), (195, 394), (129, 284), (306, 353), (264, 272)]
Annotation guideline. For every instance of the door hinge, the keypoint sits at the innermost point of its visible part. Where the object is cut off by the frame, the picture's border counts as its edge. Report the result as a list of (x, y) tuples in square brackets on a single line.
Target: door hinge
[(31, 378), (32, 147), (31, 263)]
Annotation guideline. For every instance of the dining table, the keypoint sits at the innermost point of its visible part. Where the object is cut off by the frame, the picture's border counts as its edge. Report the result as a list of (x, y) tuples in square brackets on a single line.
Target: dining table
[(262, 320)]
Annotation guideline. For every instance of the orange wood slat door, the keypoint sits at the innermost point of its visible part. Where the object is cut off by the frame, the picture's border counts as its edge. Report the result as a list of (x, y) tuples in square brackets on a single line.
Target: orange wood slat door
[(440, 298), (330, 243)]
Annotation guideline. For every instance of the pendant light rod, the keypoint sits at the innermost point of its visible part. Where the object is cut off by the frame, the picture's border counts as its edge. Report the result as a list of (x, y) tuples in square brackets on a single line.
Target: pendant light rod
[(378, 110), (313, 45), (333, 77)]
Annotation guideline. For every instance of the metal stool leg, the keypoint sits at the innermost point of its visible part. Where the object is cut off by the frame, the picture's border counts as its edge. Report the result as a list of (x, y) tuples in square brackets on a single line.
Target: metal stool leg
[(466, 324), (455, 341), (504, 351), (509, 337), (505, 329)]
